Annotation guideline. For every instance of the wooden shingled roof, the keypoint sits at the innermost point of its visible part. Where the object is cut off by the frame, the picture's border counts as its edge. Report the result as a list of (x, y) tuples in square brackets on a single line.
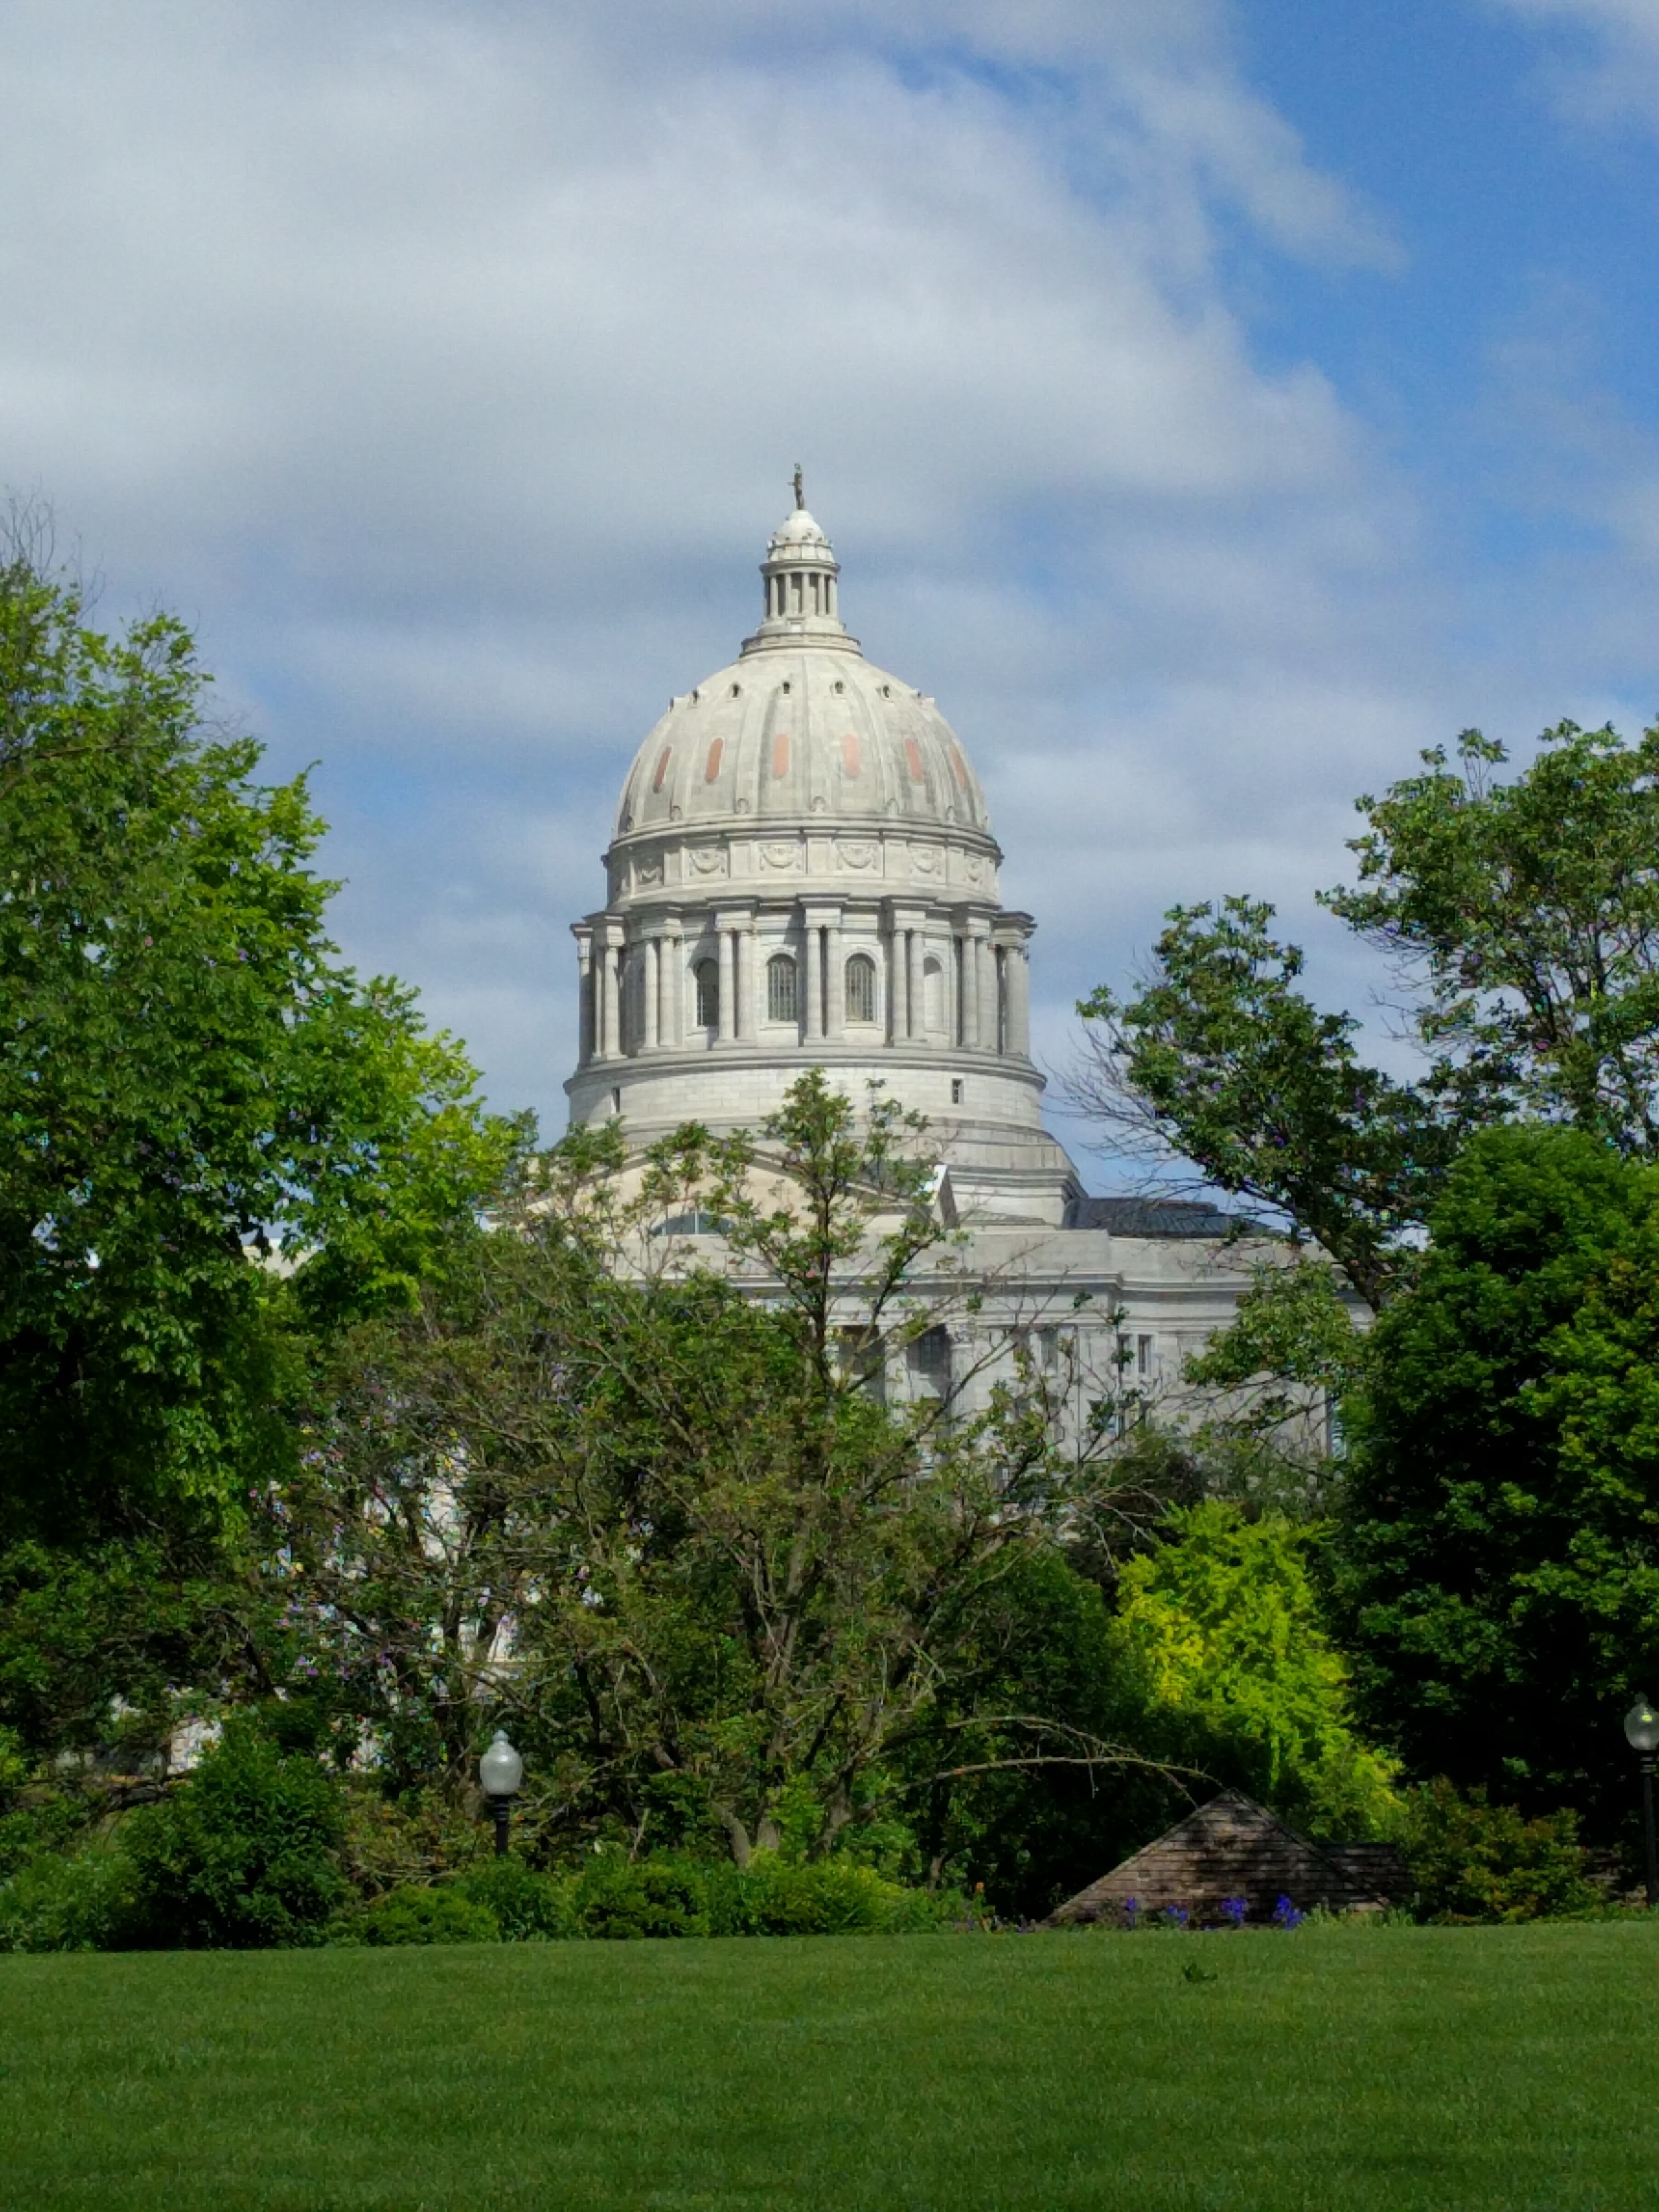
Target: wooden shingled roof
[(1234, 1848)]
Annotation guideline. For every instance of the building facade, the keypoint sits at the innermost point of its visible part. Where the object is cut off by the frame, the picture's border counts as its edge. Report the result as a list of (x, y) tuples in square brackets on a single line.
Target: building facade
[(803, 874)]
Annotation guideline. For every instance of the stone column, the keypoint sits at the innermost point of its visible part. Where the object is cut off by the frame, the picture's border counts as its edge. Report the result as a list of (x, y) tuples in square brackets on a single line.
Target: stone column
[(746, 979), (1019, 1002), (985, 963), (668, 969), (652, 992), (609, 1043), (908, 924), (835, 980), (811, 977), (970, 945), (584, 937), (728, 983)]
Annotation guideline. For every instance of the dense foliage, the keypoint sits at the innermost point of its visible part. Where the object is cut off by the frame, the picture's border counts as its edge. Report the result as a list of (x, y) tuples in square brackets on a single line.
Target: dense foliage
[(1520, 921), (1222, 1631), (339, 1424), (189, 1080), (1471, 1861), (1500, 1575), (750, 1603)]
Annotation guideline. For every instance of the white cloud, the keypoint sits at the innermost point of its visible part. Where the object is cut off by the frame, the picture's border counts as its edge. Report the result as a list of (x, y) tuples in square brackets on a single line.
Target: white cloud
[(445, 363), (1609, 64)]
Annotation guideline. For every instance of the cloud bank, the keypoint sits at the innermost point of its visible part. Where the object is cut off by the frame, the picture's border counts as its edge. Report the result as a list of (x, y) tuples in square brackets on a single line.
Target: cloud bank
[(446, 365)]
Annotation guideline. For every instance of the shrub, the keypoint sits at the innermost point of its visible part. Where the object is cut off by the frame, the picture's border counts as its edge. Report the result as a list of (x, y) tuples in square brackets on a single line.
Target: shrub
[(428, 1916), (528, 1907), (1470, 1861), (826, 1896), (822, 1896), (616, 1898), (82, 1902), (242, 1855)]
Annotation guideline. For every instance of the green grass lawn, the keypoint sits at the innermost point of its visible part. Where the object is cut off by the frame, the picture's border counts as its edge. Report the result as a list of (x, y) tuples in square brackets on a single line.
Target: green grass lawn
[(1334, 2066)]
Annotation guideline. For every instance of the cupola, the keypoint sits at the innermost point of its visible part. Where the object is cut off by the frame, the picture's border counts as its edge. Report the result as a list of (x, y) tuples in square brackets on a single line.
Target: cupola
[(802, 600)]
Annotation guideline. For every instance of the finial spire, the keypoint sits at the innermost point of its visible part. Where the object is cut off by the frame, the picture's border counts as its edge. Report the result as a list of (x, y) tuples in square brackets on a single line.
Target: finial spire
[(800, 494)]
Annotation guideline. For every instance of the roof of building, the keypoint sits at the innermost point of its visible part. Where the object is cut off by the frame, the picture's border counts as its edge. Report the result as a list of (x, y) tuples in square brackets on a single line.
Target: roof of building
[(801, 727), (1157, 1216), (1233, 1848)]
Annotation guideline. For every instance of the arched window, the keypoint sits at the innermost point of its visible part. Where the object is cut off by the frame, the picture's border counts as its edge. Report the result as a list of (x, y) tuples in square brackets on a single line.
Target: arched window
[(782, 990), (932, 995), (707, 973), (860, 989)]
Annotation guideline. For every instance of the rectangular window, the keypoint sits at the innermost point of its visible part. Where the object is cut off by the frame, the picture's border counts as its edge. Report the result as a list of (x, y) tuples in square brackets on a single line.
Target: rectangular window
[(1143, 1357)]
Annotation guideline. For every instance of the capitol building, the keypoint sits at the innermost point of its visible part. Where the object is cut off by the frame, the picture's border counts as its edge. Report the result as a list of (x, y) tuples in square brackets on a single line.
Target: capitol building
[(803, 874)]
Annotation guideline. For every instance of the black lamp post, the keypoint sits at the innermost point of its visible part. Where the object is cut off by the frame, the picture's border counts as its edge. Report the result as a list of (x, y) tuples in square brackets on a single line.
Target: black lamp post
[(1642, 1729), (500, 1771)]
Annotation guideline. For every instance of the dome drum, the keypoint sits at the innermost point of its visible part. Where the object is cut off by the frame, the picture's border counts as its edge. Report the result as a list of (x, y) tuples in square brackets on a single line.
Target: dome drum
[(814, 971)]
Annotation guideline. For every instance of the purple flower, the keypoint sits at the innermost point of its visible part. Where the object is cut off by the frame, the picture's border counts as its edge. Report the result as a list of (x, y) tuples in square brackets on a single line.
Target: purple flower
[(1235, 1911), (1286, 1915), (1132, 1912), (1173, 1916)]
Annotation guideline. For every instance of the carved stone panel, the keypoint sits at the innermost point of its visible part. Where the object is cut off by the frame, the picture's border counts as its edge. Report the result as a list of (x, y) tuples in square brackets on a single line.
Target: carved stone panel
[(858, 853)]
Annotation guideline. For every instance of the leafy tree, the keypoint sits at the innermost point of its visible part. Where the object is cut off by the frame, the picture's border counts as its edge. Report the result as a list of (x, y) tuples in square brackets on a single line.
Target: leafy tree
[(1520, 921), (738, 1588), (1526, 915), (1222, 1629), (1222, 1059), (1499, 1556), (1030, 1836), (99, 1647), (188, 1081)]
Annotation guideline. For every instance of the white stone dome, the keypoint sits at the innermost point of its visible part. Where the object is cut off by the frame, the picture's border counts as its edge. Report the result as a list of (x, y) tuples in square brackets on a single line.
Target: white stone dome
[(800, 737), (801, 730)]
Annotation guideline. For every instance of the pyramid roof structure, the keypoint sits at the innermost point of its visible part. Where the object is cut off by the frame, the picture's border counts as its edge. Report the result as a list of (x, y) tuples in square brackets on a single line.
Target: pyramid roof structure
[(1234, 1848)]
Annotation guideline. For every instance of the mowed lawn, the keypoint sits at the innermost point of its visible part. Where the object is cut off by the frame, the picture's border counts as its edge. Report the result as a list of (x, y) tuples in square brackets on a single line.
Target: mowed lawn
[(1333, 2066)]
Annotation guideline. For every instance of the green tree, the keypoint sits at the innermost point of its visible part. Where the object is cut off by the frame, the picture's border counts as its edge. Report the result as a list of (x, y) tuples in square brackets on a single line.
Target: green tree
[(1222, 1630), (1499, 1554), (1519, 921), (741, 1583), (189, 1082), (1222, 1059)]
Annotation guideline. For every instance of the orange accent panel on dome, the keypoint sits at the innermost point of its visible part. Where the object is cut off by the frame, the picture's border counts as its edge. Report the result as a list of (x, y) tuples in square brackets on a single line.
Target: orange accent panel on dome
[(663, 759), (849, 753), (780, 753), (713, 768), (913, 754), (958, 768)]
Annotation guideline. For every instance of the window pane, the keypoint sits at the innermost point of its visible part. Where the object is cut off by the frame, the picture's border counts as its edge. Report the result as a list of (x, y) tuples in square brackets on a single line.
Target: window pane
[(708, 994), (780, 995), (860, 989)]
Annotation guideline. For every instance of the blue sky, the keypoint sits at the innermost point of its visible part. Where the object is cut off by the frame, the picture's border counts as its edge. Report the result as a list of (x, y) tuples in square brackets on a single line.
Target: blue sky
[(1212, 405)]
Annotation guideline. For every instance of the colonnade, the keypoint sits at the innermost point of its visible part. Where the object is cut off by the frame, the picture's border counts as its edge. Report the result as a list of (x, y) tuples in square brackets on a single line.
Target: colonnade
[(639, 993)]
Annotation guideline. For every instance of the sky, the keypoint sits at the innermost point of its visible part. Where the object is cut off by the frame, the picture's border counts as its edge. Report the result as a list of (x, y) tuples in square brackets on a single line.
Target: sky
[(1213, 404)]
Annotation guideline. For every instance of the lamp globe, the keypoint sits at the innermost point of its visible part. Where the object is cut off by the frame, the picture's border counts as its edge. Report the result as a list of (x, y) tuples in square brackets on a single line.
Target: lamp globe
[(501, 1770)]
